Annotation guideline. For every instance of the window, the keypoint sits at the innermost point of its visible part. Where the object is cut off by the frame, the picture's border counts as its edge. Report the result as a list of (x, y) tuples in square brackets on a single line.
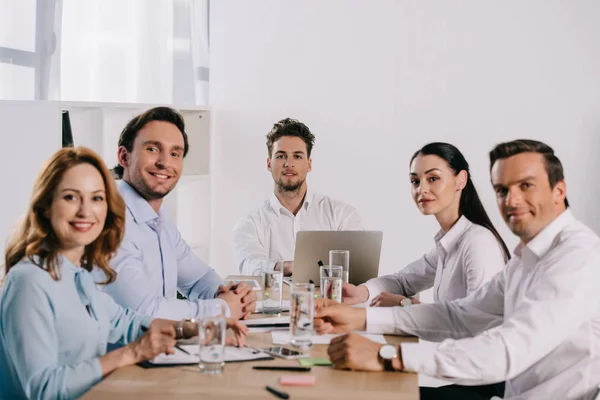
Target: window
[(134, 51)]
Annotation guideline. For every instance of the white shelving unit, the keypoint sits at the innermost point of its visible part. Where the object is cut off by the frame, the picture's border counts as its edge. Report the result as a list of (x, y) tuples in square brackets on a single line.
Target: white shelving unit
[(98, 126)]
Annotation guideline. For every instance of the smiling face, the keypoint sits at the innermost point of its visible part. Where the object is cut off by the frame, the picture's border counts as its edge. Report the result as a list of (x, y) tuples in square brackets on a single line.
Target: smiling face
[(524, 196), (435, 187), (289, 163), (154, 165), (78, 209)]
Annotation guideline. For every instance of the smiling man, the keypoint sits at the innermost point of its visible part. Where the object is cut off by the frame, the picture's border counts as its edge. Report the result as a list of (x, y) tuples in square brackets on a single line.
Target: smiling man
[(154, 261), (265, 240), (535, 325)]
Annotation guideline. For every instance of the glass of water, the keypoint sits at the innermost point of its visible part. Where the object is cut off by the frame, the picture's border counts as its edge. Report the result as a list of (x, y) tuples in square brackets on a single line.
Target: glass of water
[(211, 337), (302, 307), (272, 295), (341, 257), (331, 282)]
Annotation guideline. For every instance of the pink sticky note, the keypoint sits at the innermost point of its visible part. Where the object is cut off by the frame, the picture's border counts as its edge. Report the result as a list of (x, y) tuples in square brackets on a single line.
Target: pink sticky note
[(298, 380)]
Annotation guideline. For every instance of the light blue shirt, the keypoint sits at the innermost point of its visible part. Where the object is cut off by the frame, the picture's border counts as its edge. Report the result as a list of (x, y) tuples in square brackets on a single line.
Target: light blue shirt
[(154, 261), (49, 344)]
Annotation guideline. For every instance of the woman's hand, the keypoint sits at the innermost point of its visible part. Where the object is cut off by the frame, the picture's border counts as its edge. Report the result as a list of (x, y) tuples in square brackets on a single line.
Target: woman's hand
[(160, 338)]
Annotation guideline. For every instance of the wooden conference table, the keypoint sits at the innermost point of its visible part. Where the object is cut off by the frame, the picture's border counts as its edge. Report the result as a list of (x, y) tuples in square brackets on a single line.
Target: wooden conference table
[(240, 381)]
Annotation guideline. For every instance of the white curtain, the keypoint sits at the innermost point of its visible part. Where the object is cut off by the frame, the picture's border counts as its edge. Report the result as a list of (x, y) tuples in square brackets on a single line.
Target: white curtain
[(133, 51)]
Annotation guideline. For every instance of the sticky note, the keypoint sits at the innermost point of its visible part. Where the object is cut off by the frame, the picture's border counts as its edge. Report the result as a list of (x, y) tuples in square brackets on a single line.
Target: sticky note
[(298, 380), (315, 361)]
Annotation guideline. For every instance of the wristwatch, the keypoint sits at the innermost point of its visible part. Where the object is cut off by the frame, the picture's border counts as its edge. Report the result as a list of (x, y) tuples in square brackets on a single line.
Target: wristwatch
[(387, 353), (407, 301), (179, 328)]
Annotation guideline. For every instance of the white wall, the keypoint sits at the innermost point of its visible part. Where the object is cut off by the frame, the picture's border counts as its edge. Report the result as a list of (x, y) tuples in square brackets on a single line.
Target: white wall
[(375, 80), (30, 135)]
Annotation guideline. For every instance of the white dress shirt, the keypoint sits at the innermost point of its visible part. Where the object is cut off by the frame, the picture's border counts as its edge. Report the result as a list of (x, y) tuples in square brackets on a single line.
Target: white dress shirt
[(268, 234), (460, 262), (544, 308)]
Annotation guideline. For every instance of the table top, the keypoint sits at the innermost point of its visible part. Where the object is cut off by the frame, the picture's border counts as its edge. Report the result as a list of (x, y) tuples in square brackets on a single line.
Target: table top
[(240, 380)]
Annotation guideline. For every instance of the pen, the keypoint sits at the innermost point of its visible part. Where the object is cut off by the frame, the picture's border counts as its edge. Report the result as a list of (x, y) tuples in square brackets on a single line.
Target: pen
[(281, 395), (281, 368)]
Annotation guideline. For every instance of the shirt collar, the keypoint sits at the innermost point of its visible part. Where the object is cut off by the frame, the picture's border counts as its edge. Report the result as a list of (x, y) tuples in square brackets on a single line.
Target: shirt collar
[(542, 242), (141, 210), (449, 240), (277, 207)]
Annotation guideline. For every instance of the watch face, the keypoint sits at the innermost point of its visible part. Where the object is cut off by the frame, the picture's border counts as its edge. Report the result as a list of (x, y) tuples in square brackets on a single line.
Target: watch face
[(388, 352), (406, 302)]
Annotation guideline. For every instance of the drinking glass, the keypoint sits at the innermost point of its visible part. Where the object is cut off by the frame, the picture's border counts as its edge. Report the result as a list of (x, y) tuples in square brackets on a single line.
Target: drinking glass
[(211, 337), (331, 282), (302, 309), (341, 257), (272, 295)]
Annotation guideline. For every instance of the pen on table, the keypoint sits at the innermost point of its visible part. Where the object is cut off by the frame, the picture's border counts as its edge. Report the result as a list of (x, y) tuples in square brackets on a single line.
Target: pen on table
[(145, 329), (281, 395), (281, 368)]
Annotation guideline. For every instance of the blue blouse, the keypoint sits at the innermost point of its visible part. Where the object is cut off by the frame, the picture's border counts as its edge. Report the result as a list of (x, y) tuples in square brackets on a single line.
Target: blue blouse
[(49, 343)]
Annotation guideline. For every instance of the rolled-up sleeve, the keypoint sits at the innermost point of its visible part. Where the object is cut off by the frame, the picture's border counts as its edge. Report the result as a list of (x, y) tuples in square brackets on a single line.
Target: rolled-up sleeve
[(412, 279), (251, 256)]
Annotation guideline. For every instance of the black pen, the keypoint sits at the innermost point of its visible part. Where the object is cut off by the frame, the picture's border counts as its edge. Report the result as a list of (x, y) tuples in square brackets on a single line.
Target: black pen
[(281, 368), (281, 395)]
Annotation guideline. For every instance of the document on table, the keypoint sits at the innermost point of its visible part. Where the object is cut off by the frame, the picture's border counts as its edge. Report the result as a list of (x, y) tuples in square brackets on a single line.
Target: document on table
[(232, 354), (284, 337), (268, 322), (285, 306)]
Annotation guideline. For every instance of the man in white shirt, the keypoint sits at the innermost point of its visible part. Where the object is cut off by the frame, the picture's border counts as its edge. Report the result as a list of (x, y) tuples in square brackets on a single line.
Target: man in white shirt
[(535, 325), (265, 240)]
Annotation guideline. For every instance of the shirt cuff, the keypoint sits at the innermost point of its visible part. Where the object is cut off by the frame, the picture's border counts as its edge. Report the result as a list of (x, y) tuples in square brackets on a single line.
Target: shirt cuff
[(374, 289), (420, 358), (380, 320)]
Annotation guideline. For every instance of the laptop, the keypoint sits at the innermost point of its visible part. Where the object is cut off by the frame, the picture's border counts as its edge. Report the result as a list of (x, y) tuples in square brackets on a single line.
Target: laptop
[(314, 246)]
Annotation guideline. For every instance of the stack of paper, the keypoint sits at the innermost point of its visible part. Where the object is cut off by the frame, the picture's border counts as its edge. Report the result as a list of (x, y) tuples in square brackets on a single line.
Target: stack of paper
[(285, 306), (284, 337), (232, 354)]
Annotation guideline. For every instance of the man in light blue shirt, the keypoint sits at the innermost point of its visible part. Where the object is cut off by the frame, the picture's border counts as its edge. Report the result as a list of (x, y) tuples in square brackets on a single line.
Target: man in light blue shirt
[(154, 261)]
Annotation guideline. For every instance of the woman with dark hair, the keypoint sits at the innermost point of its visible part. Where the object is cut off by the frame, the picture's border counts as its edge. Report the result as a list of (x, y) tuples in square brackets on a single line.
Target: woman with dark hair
[(54, 322), (468, 250)]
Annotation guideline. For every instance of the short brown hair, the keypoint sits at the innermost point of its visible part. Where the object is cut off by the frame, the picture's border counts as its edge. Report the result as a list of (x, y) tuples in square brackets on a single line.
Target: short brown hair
[(132, 128), (290, 127), (35, 239), (554, 167)]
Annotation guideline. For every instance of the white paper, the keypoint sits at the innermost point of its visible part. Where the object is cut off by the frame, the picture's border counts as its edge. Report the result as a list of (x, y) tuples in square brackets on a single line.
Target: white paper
[(232, 354), (266, 330), (267, 321), (285, 306), (284, 337)]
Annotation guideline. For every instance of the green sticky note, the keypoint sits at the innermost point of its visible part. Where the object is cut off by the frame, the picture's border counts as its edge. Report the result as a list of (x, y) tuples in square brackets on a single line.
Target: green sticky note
[(316, 361)]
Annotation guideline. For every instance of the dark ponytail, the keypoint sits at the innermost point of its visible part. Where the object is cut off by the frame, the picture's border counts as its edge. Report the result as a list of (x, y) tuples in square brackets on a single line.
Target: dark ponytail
[(470, 206)]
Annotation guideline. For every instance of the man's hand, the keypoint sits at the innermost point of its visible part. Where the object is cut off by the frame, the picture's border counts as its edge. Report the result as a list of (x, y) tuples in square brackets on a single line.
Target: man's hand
[(248, 300), (355, 352), (386, 299), (240, 298), (286, 266), (239, 332), (339, 318), (354, 294)]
